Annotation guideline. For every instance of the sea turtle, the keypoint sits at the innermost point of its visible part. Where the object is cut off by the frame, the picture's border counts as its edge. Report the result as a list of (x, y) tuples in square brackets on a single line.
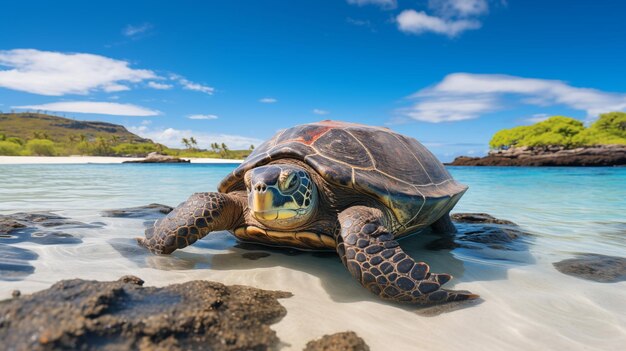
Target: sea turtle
[(331, 185)]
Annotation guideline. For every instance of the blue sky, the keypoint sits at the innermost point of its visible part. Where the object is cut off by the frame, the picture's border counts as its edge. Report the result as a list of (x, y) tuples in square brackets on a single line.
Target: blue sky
[(447, 72)]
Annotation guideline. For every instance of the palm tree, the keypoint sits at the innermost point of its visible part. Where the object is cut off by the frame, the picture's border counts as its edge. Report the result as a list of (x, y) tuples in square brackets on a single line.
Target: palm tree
[(251, 147), (83, 138), (224, 150), (185, 142), (193, 142), (115, 139)]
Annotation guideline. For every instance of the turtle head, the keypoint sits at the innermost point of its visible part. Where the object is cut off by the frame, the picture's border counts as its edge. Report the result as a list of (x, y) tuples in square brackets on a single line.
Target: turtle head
[(281, 196)]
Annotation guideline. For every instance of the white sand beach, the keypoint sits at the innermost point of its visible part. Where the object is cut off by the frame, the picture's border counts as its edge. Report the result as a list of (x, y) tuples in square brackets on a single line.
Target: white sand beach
[(92, 159)]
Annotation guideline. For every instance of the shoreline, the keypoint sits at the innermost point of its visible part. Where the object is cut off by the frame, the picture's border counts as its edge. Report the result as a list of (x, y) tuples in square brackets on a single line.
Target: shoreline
[(23, 160), (554, 156)]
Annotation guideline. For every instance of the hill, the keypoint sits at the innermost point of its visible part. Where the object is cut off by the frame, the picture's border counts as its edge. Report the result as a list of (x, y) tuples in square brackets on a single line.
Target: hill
[(30, 134), (60, 130)]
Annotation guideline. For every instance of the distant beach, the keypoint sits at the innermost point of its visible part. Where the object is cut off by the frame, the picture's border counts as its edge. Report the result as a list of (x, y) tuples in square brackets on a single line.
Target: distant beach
[(7, 160)]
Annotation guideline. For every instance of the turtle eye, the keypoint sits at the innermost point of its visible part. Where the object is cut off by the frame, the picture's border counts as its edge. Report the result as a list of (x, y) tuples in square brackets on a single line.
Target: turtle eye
[(290, 183)]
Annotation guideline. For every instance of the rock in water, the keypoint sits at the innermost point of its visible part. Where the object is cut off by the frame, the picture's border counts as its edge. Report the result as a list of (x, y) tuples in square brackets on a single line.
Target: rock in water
[(122, 315), (151, 211), (478, 230), (599, 268), (479, 218), (14, 262), (155, 157), (38, 227), (346, 341)]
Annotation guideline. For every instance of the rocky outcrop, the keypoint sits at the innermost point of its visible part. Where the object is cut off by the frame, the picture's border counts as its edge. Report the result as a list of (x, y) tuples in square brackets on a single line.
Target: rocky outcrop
[(155, 157), (123, 315), (605, 155), (599, 268), (346, 341)]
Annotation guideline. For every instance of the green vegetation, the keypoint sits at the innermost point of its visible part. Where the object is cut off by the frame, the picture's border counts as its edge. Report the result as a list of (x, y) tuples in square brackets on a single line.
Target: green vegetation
[(41, 147), (35, 134), (8, 148), (568, 132)]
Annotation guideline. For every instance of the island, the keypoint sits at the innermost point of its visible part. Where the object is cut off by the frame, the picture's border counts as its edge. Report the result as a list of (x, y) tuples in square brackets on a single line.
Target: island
[(40, 134), (557, 141)]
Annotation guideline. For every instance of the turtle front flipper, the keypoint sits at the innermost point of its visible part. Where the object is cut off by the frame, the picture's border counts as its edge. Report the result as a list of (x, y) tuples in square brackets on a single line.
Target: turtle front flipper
[(376, 260), (201, 214)]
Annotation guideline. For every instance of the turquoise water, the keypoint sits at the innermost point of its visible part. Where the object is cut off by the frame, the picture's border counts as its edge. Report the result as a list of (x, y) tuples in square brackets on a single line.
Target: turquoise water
[(527, 303)]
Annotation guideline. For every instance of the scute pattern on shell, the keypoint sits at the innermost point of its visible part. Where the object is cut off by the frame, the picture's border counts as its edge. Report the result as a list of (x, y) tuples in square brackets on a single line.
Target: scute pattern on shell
[(394, 169)]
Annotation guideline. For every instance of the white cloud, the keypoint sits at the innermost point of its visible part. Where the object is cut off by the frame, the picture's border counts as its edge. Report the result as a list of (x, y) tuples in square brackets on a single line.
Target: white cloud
[(172, 137), (452, 17), (160, 86), (202, 116), (189, 85), (446, 109), (55, 73), (133, 31), (358, 22), (268, 100), (538, 117), (385, 4), (320, 112), (460, 8), (102, 108), (411, 21), (462, 96)]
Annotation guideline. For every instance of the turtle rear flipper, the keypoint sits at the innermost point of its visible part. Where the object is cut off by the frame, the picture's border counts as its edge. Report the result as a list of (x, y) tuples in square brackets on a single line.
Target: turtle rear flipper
[(376, 260), (201, 214)]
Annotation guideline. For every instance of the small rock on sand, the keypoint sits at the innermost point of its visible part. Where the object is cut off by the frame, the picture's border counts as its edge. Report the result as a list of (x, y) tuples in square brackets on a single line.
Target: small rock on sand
[(599, 268), (346, 341)]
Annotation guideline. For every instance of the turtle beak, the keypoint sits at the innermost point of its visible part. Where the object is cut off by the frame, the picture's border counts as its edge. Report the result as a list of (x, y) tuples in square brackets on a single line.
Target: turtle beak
[(262, 204), (262, 199)]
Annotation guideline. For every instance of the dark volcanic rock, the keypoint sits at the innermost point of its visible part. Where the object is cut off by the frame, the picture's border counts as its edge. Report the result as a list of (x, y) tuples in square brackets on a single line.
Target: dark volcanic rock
[(152, 211), (606, 155), (599, 268), (254, 255), (479, 218), (346, 341), (123, 315), (476, 230), (38, 227), (14, 263), (155, 157)]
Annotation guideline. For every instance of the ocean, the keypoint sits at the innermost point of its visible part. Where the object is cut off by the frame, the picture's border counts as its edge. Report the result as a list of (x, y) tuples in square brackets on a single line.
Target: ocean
[(525, 302)]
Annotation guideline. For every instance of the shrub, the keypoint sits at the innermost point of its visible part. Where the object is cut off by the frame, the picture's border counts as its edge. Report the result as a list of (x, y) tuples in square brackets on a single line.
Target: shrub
[(134, 149), (8, 148), (41, 147), (610, 128), (17, 140)]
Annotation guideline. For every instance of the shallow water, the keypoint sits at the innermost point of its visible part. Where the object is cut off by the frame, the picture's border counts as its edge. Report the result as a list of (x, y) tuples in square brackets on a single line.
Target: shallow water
[(526, 303)]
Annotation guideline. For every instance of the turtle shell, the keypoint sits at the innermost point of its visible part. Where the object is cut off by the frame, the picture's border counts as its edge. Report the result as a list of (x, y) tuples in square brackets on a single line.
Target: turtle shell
[(395, 170)]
